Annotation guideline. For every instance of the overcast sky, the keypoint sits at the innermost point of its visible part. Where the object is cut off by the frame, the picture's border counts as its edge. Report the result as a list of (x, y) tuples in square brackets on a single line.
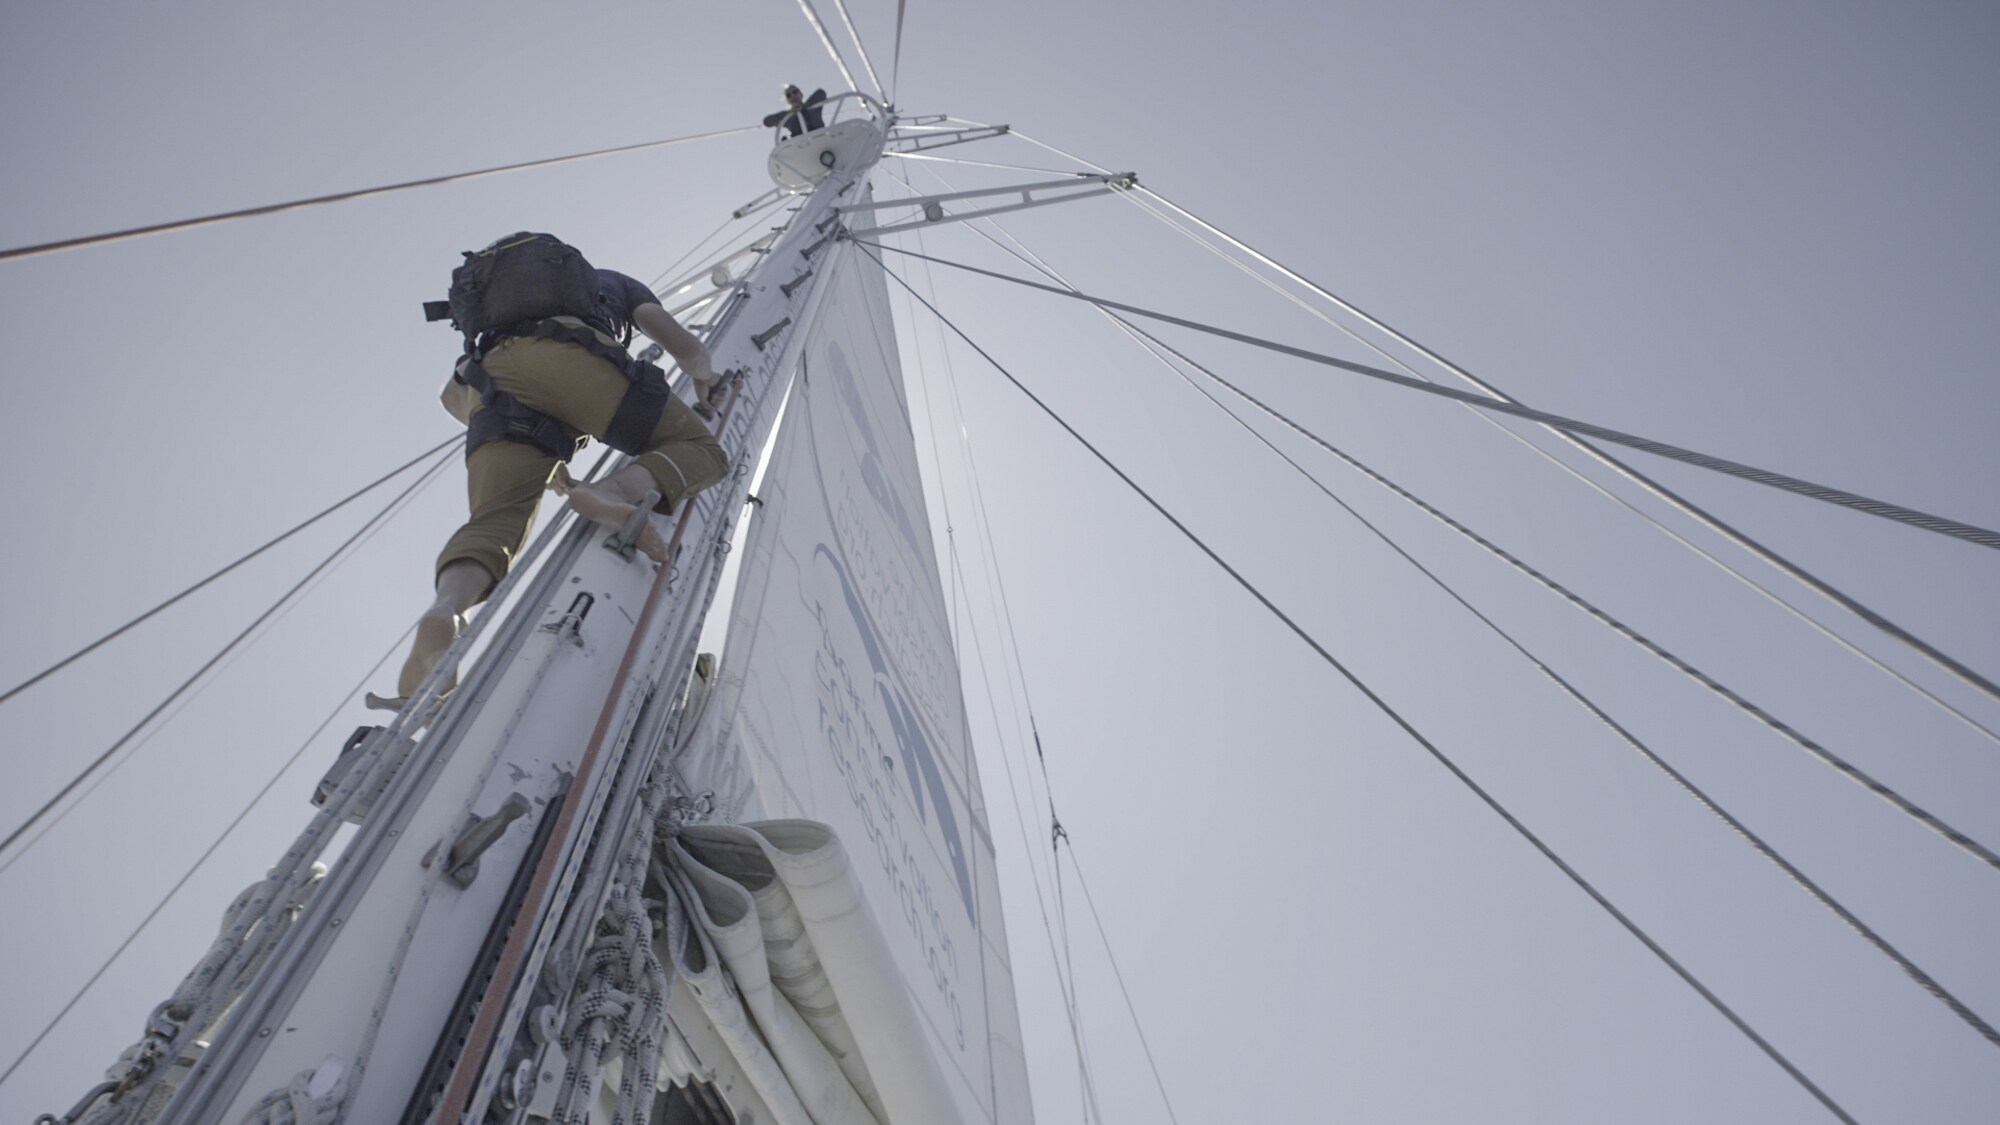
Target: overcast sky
[(1763, 230)]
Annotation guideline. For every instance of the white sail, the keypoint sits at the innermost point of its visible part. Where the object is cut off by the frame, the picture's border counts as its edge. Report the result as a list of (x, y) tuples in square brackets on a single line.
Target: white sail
[(838, 703)]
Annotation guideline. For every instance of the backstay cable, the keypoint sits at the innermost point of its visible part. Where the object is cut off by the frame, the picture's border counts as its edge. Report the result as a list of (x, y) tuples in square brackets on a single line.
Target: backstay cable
[(1882, 508), (1393, 715), (337, 197)]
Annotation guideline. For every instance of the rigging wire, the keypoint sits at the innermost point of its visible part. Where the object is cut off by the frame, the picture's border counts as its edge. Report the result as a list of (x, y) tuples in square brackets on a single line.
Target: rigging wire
[(1682, 504), (1396, 717), (1130, 1010), (896, 65), (34, 819), (812, 17), (149, 614), (1155, 347), (1804, 882), (1016, 681), (1058, 958), (1762, 590), (337, 197), (213, 846), (677, 262), (1922, 520), (860, 48), (1090, 1106), (981, 163)]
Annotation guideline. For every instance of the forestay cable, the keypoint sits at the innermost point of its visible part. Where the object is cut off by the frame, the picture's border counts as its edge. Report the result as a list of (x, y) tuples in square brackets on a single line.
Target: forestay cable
[(1156, 347), (1939, 524), (212, 661), (1393, 715), (149, 614), (337, 197)]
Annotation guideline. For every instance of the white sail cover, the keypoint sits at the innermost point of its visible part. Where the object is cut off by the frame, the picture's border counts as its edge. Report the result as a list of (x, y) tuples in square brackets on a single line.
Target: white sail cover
[(838, 703)]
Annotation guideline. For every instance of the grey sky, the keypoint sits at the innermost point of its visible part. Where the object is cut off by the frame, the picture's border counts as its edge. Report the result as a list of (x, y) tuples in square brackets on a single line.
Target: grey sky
[(1760, 230)]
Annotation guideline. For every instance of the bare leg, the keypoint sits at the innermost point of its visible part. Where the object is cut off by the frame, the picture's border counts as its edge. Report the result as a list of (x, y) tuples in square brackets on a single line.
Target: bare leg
[(610, 502), (459, 585)]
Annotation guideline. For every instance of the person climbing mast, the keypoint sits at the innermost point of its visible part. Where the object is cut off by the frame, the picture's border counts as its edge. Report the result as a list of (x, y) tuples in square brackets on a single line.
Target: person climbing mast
[(545, 363)]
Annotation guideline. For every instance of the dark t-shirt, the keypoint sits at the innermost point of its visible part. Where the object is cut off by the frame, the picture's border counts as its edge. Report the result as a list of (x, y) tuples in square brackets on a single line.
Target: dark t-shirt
[(617, 296), (811, 112)]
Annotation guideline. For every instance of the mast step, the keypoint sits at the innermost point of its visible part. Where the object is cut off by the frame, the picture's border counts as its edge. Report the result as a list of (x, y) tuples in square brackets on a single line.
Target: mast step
[(371, 787), (626, 539)]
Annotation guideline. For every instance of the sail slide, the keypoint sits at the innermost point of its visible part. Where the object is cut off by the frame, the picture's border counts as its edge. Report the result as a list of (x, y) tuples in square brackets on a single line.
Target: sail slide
[(837, 738)]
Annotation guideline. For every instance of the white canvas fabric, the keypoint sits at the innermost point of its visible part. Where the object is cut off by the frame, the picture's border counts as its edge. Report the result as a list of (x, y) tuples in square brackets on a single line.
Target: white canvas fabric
[(837, 702)]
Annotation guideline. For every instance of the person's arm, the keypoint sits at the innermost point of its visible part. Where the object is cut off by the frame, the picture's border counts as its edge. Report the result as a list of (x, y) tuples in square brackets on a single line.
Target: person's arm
[(458, 399), (818, 96), (771, 119), (686, 349)]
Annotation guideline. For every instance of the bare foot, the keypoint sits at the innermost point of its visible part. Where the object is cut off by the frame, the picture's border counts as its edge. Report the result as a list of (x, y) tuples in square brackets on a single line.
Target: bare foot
[(561, 482), (593, 504), (436, 629)]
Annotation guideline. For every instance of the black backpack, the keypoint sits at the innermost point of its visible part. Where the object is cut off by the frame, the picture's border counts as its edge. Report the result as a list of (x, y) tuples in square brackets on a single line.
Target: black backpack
[(518, 280)]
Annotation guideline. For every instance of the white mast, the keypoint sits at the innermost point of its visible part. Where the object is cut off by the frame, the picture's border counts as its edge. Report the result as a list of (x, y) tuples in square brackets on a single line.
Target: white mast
[(516, 887)]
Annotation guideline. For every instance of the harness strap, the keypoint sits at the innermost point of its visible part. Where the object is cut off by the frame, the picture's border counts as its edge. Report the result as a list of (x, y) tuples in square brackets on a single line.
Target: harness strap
[(501, 417), (632, 423)]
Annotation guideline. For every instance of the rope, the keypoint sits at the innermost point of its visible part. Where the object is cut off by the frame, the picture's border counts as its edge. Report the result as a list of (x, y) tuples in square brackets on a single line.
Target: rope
[(1404, 724), (1909, 967), (338, 197), (1884, 509), (142, 618), (212, 661), (826, 40)]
